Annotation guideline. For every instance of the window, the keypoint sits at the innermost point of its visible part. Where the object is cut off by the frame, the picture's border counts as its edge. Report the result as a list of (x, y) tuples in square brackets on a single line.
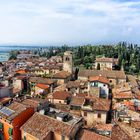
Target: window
[(62, 137), (59, 102), (24, 137), (85, 122), (85, 113), (104, 85), (110, 81), (99, 115), (67, 59), (96, 84)]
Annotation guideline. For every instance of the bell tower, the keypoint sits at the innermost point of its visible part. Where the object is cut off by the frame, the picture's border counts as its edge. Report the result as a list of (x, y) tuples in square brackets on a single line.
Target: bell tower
[(67, 62)]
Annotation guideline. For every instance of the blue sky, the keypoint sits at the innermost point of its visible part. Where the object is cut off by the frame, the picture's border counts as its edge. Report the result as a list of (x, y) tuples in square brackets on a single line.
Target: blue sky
[(72, 22)]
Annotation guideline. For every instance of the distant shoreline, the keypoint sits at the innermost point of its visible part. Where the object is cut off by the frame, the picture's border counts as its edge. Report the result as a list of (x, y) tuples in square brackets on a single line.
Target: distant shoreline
[(5, 50)]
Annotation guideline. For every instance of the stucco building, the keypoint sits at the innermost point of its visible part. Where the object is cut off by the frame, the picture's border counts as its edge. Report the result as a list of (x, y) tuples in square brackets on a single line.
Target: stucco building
[(12, 118), (100, 82), (105, 63), (115, 77), (43, 127)]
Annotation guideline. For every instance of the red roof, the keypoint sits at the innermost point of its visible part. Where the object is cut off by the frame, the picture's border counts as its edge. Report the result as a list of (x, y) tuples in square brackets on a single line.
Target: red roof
[(82, 94), (21, 71), (42, 86), (123, 95), (99, 78), (62, 95)]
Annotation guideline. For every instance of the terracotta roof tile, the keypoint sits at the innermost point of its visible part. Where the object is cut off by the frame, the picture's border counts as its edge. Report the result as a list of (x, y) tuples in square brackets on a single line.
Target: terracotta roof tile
[(62, 75), (41, 80), (105, 73), (16, 108), (99, 78), (40, 125), (123, 131), (42, 86), (89, 135), (104, 127), (99, 103), (62, 95), (135, 124), (21, 71), (106, 59), (76, 84), (123, 95), (77, 101), (34, 102)]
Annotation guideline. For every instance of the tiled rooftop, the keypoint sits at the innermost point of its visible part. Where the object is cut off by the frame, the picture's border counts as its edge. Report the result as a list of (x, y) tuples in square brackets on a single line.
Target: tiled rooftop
[(104, 127), (76, 84), (123, 95), (106, 59), (41, 80), (111, 74), (16, 108), (61, 95), (42, 86), (99, 79), (89, 135), (62, 75), (34, 102), (125, 132), (98, 103), (77, 101), (39, 125)]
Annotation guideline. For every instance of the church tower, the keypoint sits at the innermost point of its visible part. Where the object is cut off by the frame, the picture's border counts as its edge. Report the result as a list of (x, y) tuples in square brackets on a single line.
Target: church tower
[(67, 62)]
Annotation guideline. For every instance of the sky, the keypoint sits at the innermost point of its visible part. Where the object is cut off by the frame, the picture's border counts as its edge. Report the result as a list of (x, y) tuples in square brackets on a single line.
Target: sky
[(71, 22)]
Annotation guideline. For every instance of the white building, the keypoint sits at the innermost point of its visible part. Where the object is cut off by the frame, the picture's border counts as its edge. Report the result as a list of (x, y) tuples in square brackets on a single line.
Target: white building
[(102, 83)]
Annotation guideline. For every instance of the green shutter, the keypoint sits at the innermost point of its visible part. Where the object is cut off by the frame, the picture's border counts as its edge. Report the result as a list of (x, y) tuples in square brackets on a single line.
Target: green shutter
[(24, 138), (10, 131), (10, 138), (1, 125)]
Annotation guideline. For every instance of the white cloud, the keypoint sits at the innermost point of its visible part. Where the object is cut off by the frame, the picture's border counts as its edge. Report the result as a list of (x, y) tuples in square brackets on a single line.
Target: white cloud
[(68, 21)]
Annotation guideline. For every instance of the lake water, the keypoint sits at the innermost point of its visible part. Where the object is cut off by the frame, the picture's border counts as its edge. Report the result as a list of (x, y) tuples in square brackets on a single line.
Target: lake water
[(4, 50)]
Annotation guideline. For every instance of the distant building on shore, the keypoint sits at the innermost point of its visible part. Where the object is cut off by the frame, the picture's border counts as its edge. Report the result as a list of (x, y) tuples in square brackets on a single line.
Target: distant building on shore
[(26, 56), (105, 63)]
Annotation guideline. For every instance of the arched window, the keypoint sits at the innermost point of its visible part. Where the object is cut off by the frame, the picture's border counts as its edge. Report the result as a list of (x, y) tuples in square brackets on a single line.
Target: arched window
[(67, 59)]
